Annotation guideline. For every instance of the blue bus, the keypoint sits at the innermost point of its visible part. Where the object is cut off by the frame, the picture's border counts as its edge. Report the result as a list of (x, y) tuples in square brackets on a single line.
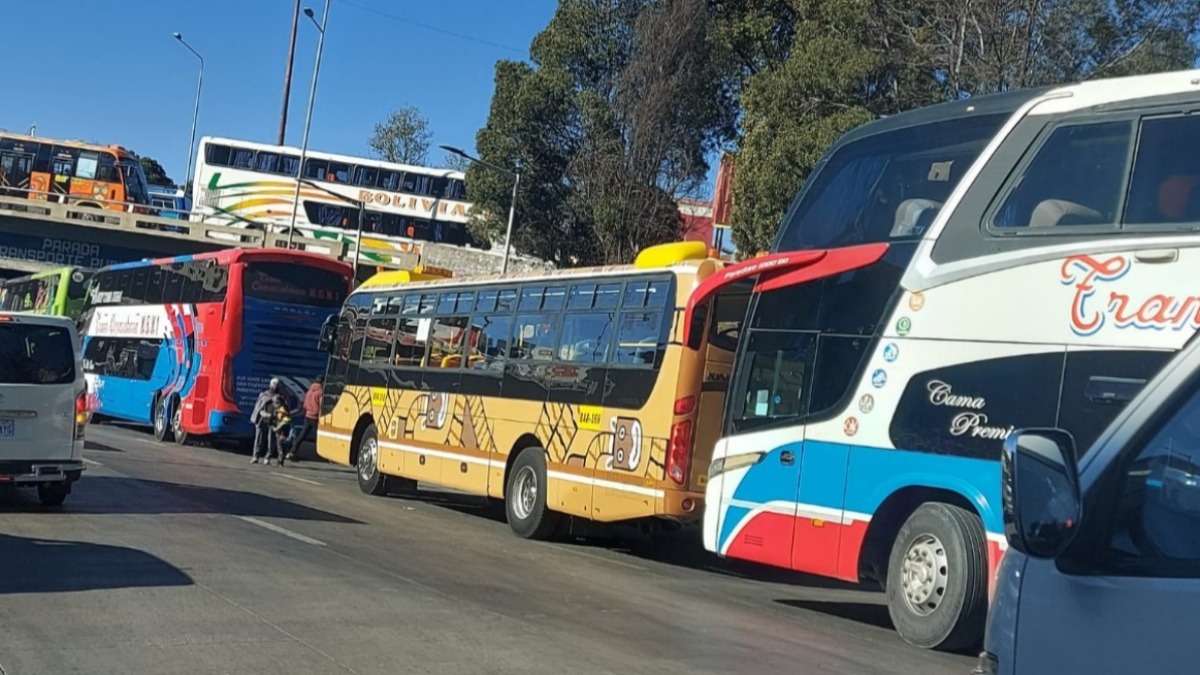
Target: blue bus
[(170, 202)]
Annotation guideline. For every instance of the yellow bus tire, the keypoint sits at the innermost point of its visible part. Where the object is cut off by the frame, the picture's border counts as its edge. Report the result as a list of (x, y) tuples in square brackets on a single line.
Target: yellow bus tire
[(370, 480), (525, 497)]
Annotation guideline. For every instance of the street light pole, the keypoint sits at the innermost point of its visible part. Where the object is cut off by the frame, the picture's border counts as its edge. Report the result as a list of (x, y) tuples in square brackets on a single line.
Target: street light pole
[(187, 176), (287, 76), (312, 93), (512, 212), (512, 207), (361, 217)]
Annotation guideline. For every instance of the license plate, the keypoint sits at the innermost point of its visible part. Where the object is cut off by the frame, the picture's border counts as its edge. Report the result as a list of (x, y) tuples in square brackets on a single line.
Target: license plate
[(7, 428)]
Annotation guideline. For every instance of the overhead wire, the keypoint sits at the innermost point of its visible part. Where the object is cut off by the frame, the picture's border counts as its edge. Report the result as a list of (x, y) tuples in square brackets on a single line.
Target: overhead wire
[(435, 29)]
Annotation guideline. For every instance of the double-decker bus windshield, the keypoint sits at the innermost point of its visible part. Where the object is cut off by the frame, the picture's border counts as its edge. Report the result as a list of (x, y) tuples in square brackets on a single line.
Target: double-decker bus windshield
[(886, 186)]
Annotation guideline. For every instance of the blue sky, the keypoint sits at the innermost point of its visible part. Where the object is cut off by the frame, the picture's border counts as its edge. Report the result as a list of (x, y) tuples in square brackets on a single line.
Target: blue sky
[(110, 72)]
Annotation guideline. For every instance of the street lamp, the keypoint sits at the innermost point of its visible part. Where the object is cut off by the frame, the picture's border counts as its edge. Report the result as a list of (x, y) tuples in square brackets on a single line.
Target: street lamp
[(361, 208), (187, 176), (512, 208), (312, 94)]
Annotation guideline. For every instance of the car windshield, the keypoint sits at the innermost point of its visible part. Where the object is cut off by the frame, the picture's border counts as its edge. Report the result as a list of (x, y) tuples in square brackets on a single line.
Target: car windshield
[(33, 354), (885, 187)]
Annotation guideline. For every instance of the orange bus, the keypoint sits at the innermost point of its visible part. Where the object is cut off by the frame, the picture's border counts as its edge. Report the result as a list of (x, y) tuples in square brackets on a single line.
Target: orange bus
[(103, 176)]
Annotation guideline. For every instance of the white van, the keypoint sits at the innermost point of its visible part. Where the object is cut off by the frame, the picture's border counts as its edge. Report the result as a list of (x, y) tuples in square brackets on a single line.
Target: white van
[(1103, 570), (43, 405)]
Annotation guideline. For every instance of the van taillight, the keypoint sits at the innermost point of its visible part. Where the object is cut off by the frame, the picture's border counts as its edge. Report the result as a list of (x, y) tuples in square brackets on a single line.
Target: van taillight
[(81, 411), (679, 451), (227, 379)]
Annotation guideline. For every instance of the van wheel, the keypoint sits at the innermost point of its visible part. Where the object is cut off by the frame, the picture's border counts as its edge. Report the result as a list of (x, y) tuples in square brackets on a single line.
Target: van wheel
[(525, 497), (162, 425), (937, 578), (370, 480), (181, 436), (53, 494)]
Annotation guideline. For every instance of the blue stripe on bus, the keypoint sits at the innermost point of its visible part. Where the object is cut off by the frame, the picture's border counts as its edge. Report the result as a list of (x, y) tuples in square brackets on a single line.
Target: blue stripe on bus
[(871, 475)]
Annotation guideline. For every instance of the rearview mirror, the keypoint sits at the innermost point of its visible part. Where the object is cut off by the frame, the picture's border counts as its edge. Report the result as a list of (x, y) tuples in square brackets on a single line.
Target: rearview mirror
[(1040, 491), (328, 334)]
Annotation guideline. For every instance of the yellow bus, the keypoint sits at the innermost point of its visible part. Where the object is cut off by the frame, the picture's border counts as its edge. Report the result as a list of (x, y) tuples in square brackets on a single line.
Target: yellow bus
[(564, 393)]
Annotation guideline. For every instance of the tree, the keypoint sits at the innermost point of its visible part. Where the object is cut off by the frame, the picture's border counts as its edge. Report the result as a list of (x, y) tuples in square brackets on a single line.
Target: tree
[(455, 162), (614, 118), (403, 137), (826, 66), (155, 173)]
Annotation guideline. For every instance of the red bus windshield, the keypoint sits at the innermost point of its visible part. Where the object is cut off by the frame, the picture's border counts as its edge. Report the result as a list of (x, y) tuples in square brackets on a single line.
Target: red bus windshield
[(293, 284)]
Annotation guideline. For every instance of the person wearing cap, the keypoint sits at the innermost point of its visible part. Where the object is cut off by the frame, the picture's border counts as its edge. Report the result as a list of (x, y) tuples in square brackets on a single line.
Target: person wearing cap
[(263, 416)]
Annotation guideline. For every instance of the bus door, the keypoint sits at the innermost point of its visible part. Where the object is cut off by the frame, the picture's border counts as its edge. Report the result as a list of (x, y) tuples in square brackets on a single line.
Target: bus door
[(762, 498), (750, 498), (62, 169), (15, 169)]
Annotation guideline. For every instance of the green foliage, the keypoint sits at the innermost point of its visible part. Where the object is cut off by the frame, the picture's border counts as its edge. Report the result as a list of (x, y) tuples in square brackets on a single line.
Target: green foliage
[(615, 117), (403, 137), (825, 66), (155, 173), (455, 162)]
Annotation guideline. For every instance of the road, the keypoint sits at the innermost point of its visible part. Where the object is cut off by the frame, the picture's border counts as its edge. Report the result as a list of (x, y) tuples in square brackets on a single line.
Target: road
[(191, 560)]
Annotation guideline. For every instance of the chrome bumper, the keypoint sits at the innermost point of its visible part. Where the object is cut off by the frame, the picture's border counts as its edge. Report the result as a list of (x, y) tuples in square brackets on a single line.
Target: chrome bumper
[(23, 473)]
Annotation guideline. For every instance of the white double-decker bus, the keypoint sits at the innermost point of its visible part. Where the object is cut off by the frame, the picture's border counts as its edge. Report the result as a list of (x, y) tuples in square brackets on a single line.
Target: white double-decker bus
[(254, 184), (945, 277)]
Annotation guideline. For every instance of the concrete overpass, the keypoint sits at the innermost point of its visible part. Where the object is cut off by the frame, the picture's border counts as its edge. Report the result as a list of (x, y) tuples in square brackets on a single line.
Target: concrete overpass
[(39, 234)]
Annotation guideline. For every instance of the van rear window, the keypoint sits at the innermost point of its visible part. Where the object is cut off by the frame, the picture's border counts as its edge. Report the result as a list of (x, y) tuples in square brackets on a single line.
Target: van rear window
[(33, 354)]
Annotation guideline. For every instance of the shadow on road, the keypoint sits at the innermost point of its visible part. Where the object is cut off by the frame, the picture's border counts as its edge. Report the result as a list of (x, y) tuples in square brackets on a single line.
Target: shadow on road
[(93, 445), (684, 549), (131, 496), (471, 505), (59, 566), (681, 549), (861, 612)]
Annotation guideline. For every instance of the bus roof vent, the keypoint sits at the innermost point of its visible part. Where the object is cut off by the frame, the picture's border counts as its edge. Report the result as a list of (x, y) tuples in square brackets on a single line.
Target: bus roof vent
[(665, 255)]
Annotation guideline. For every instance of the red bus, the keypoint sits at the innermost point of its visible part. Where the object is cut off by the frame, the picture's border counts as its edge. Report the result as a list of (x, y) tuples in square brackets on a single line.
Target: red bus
[(186, 344)]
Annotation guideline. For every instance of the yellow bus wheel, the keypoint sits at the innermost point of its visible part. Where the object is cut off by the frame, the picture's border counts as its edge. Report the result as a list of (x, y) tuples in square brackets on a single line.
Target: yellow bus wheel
[(370, 480), (525, 497)]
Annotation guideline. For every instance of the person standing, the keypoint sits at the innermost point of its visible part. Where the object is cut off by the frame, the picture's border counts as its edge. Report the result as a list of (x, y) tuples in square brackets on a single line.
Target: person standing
[(312, 411), (263, 416)]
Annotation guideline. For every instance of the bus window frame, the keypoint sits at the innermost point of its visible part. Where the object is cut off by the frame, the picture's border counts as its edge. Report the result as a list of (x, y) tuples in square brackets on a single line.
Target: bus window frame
[(968, 234), (423, 304)]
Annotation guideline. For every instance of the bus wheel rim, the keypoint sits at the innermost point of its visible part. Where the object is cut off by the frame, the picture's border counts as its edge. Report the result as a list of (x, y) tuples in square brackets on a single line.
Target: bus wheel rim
[(159, 422), (925, 575), (366, 459), (177, 420), (525, 489)]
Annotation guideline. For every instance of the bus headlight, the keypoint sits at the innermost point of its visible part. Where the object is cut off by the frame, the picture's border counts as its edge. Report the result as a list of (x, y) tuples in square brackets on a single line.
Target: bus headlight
[(734, 462)]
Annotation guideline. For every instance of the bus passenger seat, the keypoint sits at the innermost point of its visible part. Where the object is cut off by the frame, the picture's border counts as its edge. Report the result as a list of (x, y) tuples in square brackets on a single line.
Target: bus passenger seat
[(913, 216), (1054, 212)]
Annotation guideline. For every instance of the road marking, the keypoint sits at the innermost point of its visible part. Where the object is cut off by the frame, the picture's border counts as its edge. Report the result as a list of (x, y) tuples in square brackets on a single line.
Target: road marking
[(282, 530), (291, 477), (92, 462)]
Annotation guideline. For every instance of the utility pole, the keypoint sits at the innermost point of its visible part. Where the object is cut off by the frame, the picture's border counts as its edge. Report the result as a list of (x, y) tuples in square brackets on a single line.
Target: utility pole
[(287, 76)]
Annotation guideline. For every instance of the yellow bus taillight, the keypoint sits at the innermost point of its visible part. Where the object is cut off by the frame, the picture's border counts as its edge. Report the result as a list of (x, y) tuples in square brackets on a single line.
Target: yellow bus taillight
[(679, 450)]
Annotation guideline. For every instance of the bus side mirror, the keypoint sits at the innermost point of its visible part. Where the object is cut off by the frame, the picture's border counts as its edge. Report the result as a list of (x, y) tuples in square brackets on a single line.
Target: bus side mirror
[(328, 334), (1040, 491)]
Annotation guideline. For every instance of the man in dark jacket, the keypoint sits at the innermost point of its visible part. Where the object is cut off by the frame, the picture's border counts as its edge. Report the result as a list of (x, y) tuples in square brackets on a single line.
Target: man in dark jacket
[(263, 417)]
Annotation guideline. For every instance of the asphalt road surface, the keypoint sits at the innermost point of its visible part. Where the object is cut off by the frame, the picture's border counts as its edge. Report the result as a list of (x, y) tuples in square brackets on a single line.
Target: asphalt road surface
[(191, 560)]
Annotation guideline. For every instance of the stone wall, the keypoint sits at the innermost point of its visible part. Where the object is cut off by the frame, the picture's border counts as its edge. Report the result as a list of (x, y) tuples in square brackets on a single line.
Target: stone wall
[(467, 262)]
